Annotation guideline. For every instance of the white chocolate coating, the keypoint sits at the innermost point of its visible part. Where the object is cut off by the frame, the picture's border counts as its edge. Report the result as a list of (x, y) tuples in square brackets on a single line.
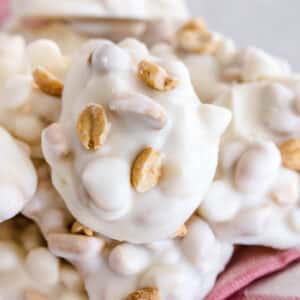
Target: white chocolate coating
[(265, 110), (36, 273), (180, 268), (213, 74), (18, 180), (255, 198), (24, 109), (136, 9), (96, 184)]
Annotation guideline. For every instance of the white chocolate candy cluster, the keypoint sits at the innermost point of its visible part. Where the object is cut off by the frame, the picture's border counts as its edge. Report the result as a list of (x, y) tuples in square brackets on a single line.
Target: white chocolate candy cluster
[(266, 109), (30, 87), (133, 147), (29, 271), (67, 36), (216, 64), (137, 9), (171, 269), (184, 267), (70, 23), (146, 196), (18, 178), (255, 198)]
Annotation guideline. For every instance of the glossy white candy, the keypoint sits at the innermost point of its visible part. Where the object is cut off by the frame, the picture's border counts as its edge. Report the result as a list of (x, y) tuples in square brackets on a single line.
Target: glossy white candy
[(212, 75), (24, 109), (16, 187), (136, 9), (95, 185), (255, 198), (32, 273), (180, 269)]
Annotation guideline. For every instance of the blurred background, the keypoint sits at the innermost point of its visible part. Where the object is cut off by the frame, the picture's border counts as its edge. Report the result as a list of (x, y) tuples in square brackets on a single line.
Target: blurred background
[(273, 25)]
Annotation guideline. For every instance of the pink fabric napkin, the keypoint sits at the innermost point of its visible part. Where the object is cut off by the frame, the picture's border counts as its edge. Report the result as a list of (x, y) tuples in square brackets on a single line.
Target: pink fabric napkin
[(4, 9), (245, 277)]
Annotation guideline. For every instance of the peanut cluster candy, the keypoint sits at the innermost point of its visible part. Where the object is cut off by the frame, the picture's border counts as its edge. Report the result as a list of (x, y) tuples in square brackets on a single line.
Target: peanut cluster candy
[(18, 180), (137, 9), (28, 271), (216, 64), (134, 149), (255, 197), (70, 23), (31, 86), (173, 269), (182, 267), (267, 110)]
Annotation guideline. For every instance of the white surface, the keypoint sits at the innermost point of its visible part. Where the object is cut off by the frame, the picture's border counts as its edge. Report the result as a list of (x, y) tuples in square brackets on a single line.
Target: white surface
[(271, 25)]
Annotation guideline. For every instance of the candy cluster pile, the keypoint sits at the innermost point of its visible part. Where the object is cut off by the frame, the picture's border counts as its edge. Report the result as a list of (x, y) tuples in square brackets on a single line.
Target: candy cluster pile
[(138, 149)]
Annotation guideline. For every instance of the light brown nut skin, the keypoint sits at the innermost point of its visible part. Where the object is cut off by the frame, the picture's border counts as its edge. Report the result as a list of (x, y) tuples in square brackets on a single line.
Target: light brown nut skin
[(78, 228), (34, 295), (155, 77), (181, 232), (47, 82), (148, 293), (146, 170), (290, 153), (93, 126), (194, 37)]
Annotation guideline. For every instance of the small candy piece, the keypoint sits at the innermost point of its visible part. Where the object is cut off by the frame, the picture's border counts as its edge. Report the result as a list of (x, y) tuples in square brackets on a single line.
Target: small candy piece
[(194, 37), (286, 190), (290, 152), (12, 201), (156, 77), (108, 58), (39, 262), (81, 229), (127, 259), (148, 293), (257, 167), (47, 82), (198, 244), (92, 126), (46, 53), (70, 278), (146, 170), (221, 203), (72, 246), (150, 111), (10, 256), (54, 142)]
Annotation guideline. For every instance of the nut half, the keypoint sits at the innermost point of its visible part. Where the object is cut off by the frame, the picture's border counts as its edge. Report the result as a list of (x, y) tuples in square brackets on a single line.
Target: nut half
[(181, 232), (47, 82), (148, 293), (78, 228), (290, 153), (156, 77), (93, 126), (195, 37), (146, 170)]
